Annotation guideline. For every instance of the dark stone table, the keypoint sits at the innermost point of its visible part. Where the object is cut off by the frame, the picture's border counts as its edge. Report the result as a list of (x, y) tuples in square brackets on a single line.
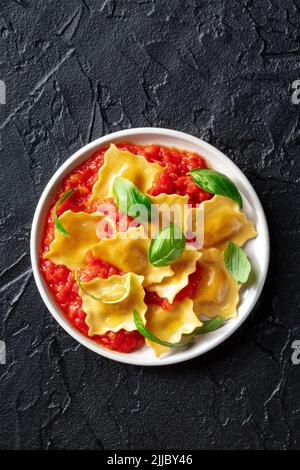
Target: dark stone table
[(221, 70)]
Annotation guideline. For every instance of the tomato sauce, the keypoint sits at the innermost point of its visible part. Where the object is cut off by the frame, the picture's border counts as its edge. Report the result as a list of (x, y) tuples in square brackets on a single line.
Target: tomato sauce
[(173, 179)]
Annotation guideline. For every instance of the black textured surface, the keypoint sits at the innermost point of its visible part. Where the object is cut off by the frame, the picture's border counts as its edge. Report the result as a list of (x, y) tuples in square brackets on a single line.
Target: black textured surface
[(221, 70)]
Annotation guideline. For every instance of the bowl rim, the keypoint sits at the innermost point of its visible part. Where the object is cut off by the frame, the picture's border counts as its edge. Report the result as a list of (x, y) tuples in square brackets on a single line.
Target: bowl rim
[(55, 181)]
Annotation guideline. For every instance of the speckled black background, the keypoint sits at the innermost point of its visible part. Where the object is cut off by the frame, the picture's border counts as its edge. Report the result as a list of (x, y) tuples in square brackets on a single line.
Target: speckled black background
[(220, 70)]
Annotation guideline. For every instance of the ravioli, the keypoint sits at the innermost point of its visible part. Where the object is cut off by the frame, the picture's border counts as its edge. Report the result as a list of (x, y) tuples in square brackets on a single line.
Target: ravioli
[(170, 325), (223, 221), (129, 253), (71, 251), (102, 317), (123, 163), (168, 208), (109, 302), (183, 267), (217, 292)]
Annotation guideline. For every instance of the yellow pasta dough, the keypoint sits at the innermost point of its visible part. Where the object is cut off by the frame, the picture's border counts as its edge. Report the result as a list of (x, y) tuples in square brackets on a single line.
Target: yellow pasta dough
[(71, 251), (223, 221), (123, 163), (183, 267), (217, 292), (170, 325), (129, 253), (167, 208), (102, 317)]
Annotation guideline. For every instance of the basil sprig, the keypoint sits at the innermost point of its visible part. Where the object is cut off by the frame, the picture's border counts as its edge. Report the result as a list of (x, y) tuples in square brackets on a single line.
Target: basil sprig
[(237, 263), (147, 334), (58, 224), (166, 246), (209, 325), (127, 196), (216, 183)]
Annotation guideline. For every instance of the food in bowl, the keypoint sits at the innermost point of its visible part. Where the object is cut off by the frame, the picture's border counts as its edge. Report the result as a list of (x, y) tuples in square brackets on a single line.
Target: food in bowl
[(125, 268)]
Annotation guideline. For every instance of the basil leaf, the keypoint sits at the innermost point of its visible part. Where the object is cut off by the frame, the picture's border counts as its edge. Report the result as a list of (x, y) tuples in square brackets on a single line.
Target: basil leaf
[(216, 183), (209, 325), (147, 334), (166, 246), (58, 224), (127, 195), (237, 263)]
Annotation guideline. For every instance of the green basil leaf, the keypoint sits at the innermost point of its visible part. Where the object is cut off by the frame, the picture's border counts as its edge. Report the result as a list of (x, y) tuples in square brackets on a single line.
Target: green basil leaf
[(166, 246), (58, 224), (147, 334), (216, 183), (127, 195), (237, 263), (209, 325)]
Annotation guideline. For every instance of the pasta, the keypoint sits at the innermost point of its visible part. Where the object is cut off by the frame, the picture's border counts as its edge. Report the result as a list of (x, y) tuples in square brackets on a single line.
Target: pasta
[(123, 163), (218, 293), (71, 251), (99, 275), (171, 325), (102, 317)]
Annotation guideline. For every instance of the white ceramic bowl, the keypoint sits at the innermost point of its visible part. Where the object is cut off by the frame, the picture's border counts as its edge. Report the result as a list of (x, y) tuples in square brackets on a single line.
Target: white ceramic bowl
[(257, 249)]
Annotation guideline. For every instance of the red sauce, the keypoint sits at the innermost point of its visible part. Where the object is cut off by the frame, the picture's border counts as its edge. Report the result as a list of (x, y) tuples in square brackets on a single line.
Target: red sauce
[(60, 280)]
